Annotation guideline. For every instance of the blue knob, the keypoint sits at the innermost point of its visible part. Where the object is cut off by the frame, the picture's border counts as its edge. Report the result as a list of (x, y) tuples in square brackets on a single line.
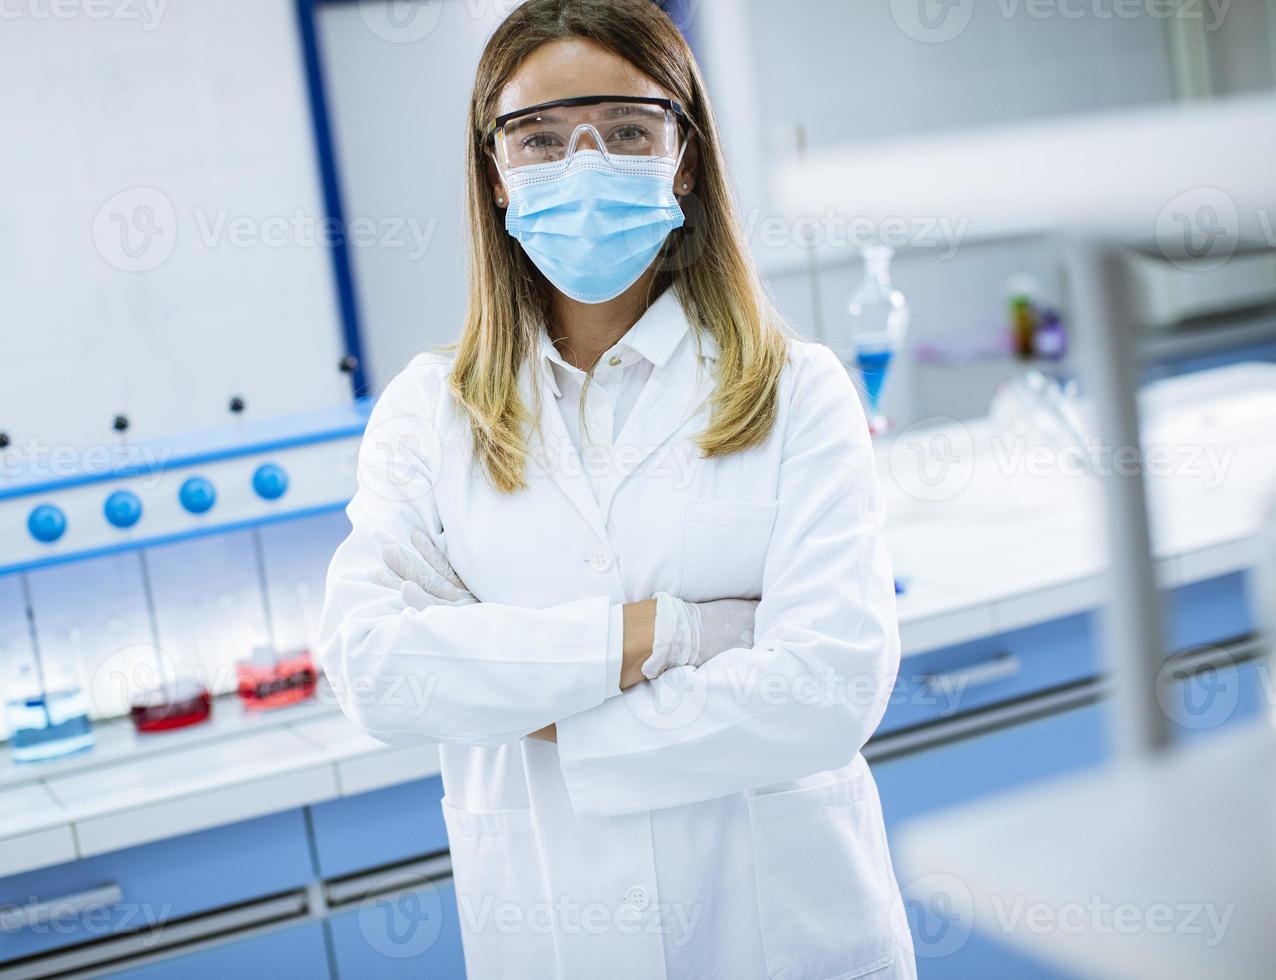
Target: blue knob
[(270, 481), (47, 523), (123, 509), (198, 495)]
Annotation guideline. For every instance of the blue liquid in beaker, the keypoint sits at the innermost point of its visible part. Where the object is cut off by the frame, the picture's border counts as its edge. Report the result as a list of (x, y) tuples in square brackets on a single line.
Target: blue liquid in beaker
[(48, 726), (873, 365)]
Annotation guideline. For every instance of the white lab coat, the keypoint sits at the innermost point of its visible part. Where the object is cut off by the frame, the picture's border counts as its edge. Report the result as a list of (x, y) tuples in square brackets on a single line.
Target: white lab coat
[(715, 823)]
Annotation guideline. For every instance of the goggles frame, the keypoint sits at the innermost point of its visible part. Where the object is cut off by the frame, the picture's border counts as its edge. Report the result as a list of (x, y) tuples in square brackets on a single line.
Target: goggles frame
[(668, 104)]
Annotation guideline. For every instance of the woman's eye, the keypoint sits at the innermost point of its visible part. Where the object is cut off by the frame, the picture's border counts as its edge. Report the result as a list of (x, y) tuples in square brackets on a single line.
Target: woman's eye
[(627, 134), (541, 141)]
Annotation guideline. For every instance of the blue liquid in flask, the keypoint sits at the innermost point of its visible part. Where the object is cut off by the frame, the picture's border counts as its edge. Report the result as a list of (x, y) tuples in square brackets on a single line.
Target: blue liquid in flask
[(49, 725), (873, 365)]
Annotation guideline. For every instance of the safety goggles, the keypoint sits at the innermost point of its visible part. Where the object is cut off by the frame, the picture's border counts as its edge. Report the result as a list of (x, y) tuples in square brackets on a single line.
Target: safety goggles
[(624, 126)]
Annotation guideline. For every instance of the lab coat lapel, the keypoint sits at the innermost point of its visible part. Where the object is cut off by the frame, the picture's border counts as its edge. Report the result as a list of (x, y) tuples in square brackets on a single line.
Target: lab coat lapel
[(553, 453), (669, 404)]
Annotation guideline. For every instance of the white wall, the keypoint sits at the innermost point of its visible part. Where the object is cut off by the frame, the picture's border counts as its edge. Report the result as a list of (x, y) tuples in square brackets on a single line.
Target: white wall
[(158, 180), (398, 93)]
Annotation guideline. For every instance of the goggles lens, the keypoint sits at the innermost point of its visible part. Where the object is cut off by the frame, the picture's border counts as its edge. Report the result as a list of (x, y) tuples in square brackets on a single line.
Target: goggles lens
[(629, 129)]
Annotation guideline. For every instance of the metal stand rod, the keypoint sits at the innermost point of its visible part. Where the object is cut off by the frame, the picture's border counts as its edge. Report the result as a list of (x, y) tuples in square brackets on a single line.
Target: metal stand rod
[(1133, 626)]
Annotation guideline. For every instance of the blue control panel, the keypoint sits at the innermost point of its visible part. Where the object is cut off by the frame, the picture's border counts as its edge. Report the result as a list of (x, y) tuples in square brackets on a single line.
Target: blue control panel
[(219, 481)]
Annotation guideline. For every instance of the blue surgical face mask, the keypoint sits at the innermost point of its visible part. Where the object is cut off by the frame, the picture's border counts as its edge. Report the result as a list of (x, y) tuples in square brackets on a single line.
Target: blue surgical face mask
[(594, 222)]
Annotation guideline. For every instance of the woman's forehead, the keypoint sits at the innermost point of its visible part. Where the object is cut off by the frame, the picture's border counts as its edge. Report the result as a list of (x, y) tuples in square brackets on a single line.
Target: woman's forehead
[(570, 68)]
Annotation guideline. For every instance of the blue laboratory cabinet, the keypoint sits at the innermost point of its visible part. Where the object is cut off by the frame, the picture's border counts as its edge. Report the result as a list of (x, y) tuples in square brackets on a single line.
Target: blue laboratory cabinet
[(1000, 718), (355, 888)]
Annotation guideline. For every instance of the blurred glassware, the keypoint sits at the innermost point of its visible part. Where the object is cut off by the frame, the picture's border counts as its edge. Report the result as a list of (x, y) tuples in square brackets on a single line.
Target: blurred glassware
[(1042, 408), (175, 703), (270, 681), (269, 678), (1051, 340), (878, 322), (1023, 302), (177, 697), (45, 709)]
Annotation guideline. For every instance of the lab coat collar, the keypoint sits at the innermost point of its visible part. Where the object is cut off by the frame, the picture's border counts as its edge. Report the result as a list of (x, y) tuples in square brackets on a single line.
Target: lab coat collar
[(654, 337), (669, 403)]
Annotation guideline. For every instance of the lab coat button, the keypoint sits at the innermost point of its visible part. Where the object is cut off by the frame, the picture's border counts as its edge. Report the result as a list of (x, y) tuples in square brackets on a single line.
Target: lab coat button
[(637, 898), (600, 560)]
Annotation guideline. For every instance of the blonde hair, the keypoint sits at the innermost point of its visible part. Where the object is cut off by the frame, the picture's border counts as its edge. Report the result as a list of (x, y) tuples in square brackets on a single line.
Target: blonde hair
[(705, 262)]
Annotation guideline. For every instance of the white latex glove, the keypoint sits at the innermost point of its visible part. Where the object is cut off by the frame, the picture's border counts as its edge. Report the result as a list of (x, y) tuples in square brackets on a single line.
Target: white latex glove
[(692, 633), (427, 578)]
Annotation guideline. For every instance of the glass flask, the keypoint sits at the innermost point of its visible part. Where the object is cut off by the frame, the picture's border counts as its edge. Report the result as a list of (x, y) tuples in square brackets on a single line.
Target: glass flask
[(272, 678), (267, 680), (175, 696), (47, 713), (878, 321)]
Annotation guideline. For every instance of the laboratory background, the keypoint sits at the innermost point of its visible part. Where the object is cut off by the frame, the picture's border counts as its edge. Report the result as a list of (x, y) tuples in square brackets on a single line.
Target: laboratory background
[(1039, 233)]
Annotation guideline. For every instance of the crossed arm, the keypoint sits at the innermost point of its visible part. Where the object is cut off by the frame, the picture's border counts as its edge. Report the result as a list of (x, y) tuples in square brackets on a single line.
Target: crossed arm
[(656, 633)]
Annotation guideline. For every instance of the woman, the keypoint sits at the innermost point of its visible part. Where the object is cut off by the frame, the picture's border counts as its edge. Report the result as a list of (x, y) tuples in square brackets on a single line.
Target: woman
[(648, 773)]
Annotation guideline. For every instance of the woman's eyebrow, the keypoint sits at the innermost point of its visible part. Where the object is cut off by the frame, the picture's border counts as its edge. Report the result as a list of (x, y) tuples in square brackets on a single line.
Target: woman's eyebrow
[(631, 110)]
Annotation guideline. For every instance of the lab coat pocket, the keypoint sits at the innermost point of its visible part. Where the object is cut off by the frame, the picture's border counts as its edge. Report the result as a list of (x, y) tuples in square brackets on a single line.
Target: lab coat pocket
[(500, 893), (825, 888), (725, 548)]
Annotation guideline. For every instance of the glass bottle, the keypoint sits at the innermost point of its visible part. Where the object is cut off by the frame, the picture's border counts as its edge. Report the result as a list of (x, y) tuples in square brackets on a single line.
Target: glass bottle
[(878, 321)]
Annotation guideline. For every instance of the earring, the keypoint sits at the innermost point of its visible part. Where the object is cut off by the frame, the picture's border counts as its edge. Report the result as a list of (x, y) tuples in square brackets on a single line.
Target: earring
[(685, 185), (500, 200)]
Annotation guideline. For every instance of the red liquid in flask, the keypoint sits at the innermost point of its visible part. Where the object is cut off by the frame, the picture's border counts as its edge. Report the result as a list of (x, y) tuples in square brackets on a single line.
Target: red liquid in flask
[(288, 680), (169, 706)]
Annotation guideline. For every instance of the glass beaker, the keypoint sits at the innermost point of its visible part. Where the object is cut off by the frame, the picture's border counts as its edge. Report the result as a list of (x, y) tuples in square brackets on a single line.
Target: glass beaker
[(46, 711)]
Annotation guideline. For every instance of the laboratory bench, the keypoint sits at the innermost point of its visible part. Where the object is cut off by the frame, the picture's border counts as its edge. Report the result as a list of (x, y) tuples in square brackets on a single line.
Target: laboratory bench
[(290, 844)]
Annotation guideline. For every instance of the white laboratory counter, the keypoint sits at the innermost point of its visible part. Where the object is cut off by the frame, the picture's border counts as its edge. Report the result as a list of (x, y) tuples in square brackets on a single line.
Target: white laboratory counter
[(133, 789), (985, 545)]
